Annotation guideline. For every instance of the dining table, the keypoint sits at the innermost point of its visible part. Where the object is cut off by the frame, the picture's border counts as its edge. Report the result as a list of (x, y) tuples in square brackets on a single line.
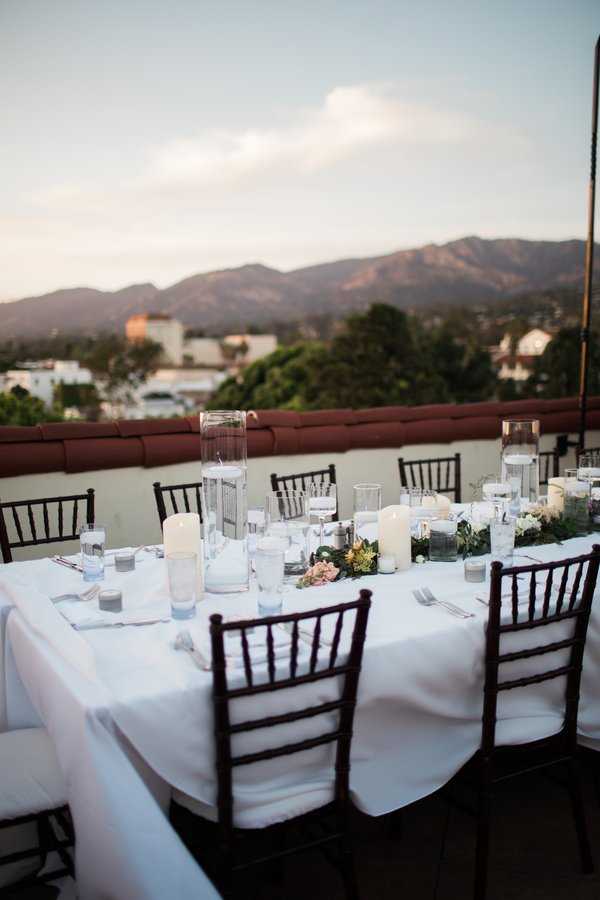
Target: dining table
[(131, 716)]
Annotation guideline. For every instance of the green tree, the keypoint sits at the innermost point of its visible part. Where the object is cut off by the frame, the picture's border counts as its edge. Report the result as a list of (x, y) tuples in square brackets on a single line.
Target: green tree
[(557, 372), (120, 365), (462, 363), (18, 407)]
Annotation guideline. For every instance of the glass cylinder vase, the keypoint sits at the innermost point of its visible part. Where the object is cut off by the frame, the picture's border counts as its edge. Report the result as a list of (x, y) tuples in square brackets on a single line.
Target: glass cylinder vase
[(520, 454), (224, 500)]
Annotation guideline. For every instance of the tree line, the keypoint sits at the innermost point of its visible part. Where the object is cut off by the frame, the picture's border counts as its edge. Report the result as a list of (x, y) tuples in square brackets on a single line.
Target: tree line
[(380, 357)]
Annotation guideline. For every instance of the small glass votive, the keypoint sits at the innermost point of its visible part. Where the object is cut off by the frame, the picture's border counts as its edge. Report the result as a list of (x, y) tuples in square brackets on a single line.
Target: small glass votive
[(386, 563), (443, 542), (474, 570), (110, 600), (124, 562)]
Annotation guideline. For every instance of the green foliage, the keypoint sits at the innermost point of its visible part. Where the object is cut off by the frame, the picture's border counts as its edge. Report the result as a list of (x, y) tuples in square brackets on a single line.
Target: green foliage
[(18, 407), (557, 372), (121, 365), (382, 357)]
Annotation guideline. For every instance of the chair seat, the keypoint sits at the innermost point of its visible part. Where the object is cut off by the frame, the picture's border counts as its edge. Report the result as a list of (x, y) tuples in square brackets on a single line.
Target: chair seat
[(31, 780)]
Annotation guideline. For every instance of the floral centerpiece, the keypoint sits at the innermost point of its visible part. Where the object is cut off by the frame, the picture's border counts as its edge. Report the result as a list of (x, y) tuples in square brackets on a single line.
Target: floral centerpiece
[(539, 525), (330, 564)]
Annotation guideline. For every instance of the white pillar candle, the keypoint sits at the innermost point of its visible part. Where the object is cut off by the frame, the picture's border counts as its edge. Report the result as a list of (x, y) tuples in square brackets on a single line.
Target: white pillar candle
[(182, 532), (394, 534), (428, 500), (556, 493), (443, 506)]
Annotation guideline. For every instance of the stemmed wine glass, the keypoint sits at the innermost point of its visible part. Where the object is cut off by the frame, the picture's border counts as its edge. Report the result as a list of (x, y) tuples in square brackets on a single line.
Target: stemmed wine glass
[(496, 490), (321, 504)]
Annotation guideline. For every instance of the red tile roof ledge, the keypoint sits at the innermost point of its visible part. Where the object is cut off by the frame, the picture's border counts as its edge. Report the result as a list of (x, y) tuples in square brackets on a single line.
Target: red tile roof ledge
[(82, 447)]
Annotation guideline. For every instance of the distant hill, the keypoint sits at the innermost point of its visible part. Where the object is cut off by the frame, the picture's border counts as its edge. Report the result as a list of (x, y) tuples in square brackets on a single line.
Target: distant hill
[(469, 271)]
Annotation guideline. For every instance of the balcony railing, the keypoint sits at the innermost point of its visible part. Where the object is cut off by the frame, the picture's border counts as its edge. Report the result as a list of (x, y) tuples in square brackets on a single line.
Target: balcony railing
[(121, 459)]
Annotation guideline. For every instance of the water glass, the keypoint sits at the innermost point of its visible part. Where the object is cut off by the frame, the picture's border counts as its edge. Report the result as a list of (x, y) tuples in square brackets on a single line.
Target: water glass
[(181, 583), (367, 503), (577, 497), (287, 519), (443, 540), (588, 467), (496, 489), (92, 539), (269, 569), (256, 528), (321, 504), (502, 539)]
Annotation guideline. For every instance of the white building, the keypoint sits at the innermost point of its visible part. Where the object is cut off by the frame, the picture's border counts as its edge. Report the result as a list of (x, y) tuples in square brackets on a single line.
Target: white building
[(160, 328), (516, 362), (234, 350), (40, 379)]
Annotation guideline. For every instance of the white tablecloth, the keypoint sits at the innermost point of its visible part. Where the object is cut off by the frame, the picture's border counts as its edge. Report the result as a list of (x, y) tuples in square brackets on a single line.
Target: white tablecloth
[(417, 721)]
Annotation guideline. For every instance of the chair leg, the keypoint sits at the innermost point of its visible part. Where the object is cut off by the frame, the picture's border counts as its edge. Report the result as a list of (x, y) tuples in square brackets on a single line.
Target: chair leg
[(348, 870), (587, 862), (482, 844)]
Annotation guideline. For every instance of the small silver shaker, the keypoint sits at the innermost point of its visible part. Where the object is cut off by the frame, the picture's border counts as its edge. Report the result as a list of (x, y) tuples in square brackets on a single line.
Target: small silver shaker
[(339, 537)]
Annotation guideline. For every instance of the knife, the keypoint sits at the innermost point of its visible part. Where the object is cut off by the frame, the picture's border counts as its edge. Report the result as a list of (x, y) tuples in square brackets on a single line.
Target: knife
[(87, 626), (67, 562)]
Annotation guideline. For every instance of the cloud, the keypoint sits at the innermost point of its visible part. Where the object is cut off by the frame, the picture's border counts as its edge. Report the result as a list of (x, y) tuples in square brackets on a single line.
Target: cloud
[(351, 120)]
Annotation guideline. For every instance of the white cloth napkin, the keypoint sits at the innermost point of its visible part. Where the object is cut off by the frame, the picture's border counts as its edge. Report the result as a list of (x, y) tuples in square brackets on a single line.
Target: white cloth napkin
[(40, 614)]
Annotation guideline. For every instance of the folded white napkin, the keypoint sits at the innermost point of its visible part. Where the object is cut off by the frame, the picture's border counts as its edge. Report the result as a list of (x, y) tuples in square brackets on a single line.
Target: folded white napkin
[(86, 614), (40, 614)]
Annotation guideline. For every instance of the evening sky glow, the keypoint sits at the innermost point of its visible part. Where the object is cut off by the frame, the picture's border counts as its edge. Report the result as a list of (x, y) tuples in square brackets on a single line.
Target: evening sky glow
[(149, 141)]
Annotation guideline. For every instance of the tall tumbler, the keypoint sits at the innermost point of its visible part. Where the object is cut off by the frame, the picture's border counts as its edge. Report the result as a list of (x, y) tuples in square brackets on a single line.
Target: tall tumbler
[(224, 500), (520, 453)]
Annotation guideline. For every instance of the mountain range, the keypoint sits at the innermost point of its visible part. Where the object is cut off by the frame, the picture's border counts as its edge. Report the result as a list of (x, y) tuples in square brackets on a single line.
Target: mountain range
[(470, 270)]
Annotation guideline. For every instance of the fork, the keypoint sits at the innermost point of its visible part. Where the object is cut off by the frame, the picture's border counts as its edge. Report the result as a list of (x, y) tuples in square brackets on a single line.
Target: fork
[(430, 600), (86, 595), (184, 641)]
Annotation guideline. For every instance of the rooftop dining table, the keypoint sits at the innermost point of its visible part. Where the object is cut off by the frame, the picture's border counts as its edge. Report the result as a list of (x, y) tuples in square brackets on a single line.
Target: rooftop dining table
[(131, 717)]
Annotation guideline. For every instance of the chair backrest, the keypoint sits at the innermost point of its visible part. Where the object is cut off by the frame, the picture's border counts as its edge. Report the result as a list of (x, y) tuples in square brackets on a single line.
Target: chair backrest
[(301, 480), (48, 520), (177, 498), (536, 632), (331, 661), (583, 451), (440, 474), (549, 465)]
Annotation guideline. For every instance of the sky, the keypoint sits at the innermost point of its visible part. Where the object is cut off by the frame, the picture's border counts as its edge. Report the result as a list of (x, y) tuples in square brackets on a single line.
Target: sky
[(151, 140)]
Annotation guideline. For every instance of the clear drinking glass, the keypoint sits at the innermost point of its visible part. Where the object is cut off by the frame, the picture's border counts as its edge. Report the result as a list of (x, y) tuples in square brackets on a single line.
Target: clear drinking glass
[(588, 467), (367, 503), (92, 539), (269, 568), (321, 504), (287, 520), (502, 539), (520, 453), (181, 580)]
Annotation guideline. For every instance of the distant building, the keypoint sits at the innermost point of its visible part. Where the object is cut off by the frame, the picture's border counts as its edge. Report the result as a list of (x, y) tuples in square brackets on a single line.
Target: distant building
[(40, 379), (231, 352), (514, 359), (162, 329)]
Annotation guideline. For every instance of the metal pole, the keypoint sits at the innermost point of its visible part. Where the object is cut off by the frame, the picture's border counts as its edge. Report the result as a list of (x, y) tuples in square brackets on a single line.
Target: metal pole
[(587, 293)]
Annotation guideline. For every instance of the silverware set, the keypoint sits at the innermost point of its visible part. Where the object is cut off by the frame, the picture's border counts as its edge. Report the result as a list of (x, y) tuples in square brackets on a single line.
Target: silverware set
[(425, 597), (184, 641), (86, 595)]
